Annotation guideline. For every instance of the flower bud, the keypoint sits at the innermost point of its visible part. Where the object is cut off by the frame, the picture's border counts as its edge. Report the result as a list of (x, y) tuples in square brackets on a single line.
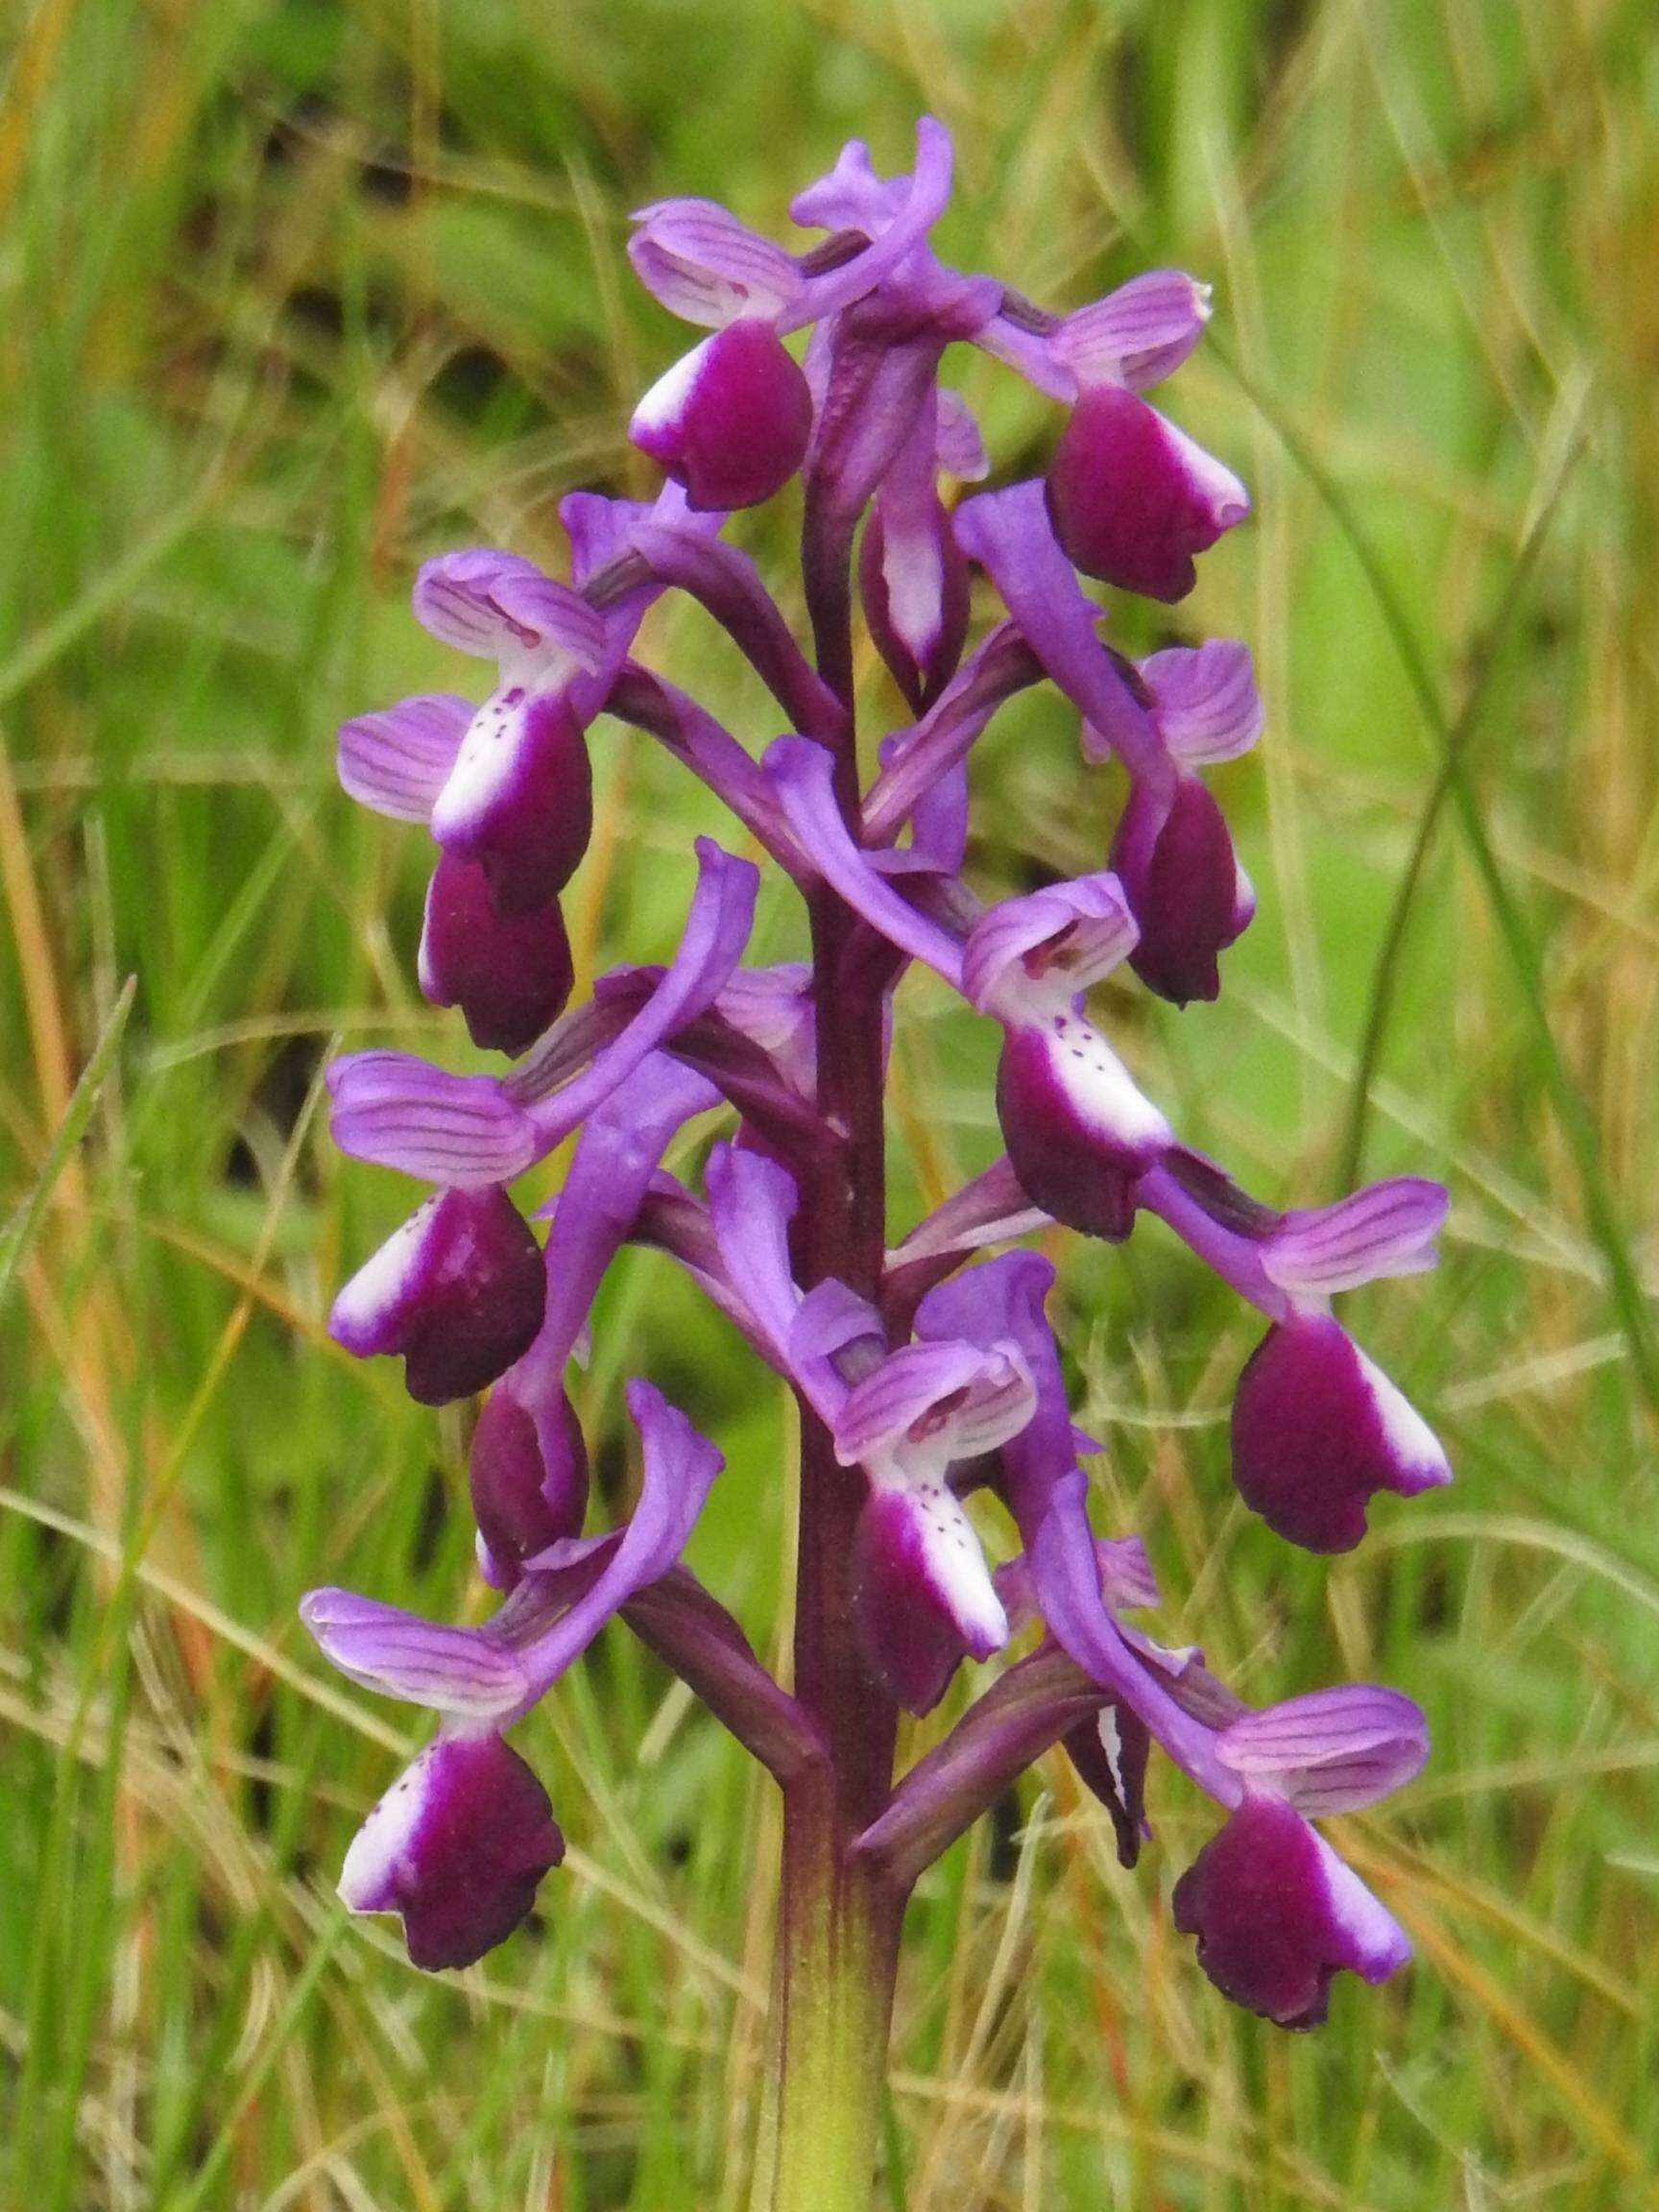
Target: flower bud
[(1318, 1428), (913, 582), (457, 1846), (729, 420), (458, 1291), (508, 974), (527, 1472), (1277, 1914), (1186, 890), (520, 799), (1133, 499)]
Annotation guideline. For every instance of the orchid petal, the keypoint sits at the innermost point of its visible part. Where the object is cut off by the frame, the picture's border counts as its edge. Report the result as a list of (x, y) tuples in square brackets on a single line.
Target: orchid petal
[(1138, 334), (802, 775), (457, 1847), (679, 1468), (1110, 1751), (1318, 1428), (717, 926), (1010, 535), (773, 1008), (466, 1673), (604, 1189), (520, 799), (1332, 1751), (1388, 1228), (1066, 937), (923, 204), (944, 1400), (400, 1112), (1277, 1915), (1133, 498), (752, 1201), (960, 448), (396, 761), (923, 1599), (1173, 854), (730, 420), (912, 576), (919, 761), (833, 1319), (457, 1291), (706, 267), (850, 196), (1205, 700), (500, 607), (511, 974)]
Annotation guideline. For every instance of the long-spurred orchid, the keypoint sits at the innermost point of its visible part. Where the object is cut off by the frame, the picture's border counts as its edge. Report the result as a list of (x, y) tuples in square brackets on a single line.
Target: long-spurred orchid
[(431, 1848), (731, 420), (1317, 1428), (926, 1375)]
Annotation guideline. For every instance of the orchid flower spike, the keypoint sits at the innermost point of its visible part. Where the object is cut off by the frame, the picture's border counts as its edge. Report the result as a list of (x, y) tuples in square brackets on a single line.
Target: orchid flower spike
[(729, 1119)]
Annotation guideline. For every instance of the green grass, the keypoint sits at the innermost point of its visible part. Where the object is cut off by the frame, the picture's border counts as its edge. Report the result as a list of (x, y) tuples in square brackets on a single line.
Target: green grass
[(295, 294)]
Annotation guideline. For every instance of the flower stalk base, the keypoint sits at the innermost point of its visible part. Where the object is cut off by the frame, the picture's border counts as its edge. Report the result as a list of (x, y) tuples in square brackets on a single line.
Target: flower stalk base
[(837, 1955)]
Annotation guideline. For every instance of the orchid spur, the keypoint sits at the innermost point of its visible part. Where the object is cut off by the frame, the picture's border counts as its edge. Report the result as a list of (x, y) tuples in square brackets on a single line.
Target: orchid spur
[(925, 1367)]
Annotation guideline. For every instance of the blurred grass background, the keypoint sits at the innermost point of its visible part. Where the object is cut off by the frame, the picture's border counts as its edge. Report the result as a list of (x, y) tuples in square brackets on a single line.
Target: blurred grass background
[(296, 291)]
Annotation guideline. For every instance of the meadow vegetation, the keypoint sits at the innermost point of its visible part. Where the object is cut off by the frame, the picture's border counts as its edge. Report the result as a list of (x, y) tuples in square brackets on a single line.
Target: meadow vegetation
[(297, 291)]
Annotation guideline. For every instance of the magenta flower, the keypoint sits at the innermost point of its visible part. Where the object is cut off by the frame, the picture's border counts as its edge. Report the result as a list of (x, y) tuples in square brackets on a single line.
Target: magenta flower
[(456, 1848), (510, 973), (457, 1291), (1277, 1914), (945, 1504)]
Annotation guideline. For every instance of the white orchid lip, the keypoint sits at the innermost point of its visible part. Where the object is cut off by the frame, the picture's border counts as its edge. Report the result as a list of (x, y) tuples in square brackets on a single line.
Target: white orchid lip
[(1222, 492), (1408, 1436), (1108, 1101)]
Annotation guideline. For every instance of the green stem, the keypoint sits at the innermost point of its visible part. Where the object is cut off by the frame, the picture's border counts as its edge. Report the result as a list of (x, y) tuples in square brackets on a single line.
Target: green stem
[(837, 1954)]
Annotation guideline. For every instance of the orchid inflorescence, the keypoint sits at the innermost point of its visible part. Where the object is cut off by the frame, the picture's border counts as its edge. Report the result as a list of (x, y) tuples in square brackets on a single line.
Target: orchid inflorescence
[(924, 1371)]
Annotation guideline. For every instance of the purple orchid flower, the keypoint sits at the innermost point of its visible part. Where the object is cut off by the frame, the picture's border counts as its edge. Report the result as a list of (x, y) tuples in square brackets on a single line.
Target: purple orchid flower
[(732, 419), (458, 1291), (927, 1374), (1317, 1428), (462, 1874), (1325, 1753), (1133, 498)]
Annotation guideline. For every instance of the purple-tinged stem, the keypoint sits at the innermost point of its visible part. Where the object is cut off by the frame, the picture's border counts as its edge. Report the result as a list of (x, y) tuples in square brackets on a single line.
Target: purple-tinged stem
[(838, 1920), (826, 568)]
